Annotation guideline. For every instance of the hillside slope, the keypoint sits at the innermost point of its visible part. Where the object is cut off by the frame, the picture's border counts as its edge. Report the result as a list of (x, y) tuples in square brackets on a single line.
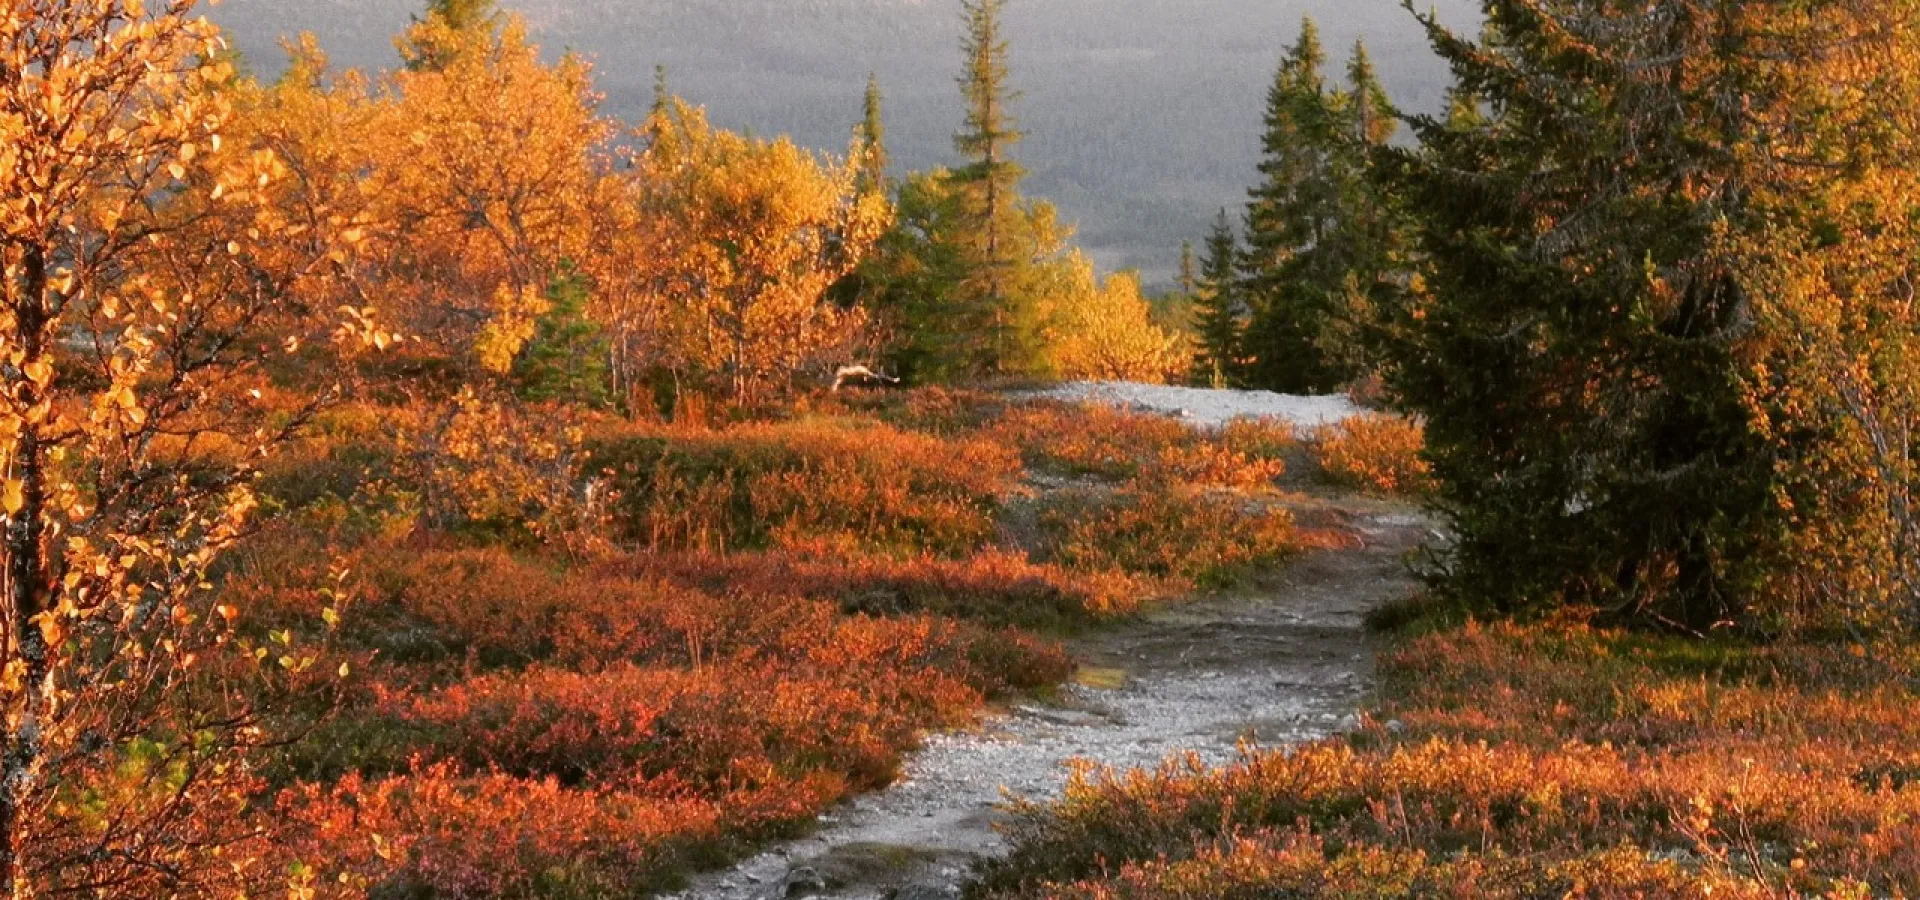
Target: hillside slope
[(1143, 115)]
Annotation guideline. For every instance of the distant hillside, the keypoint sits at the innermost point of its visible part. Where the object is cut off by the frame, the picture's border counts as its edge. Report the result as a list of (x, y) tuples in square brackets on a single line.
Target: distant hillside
[(1142, 115)]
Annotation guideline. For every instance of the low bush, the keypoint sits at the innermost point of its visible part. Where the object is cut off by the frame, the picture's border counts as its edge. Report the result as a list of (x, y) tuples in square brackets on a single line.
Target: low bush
[(940, 411), (1264, 439), (1199, 536), (1374, 452), (994, 586), (444, 834), (1524, 761), (840, 483), (1089, 439)]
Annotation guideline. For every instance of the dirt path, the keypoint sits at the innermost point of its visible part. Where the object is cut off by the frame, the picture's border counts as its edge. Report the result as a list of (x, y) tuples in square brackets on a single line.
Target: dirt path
[(1286, 660)]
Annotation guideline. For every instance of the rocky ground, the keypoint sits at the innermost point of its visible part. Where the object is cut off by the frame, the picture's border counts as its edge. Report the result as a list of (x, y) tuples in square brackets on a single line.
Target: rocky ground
[(1284, 660), (1206, 407)]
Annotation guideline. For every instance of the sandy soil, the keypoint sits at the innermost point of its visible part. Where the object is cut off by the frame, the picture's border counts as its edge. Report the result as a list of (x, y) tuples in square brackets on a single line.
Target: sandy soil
[(1282, 661)]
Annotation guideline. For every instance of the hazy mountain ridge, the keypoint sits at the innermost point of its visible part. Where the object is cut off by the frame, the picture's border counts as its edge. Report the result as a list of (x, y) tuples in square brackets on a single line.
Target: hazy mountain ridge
[(1142, 115)]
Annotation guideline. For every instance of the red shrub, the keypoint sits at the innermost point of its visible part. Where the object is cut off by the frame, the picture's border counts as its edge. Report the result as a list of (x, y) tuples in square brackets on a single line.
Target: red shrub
[(995, 586), (442, 834)]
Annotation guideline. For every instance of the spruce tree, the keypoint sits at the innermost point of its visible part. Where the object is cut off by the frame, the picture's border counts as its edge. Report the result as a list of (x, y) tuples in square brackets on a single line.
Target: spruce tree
[(1189, 276), (1325, 246), (1359, 267), (987, 186), (662, 92), (1219, 311), (566, 359), (871, 135), (1289, 213), (1618, 351)]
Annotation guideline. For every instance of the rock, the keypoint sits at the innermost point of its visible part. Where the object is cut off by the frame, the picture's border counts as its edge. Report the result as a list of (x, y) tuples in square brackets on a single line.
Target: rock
[(1396, 726), (803, 881)]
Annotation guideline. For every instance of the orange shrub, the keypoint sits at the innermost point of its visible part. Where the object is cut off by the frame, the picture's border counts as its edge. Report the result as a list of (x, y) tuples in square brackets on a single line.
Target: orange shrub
[(1089, 439), (1524, 761), (1215, 465), (1259, 438), (1374, 452), (713, 730), (1163, 531), (995, 586), (849, 484), (443, 834), (947, 412), (1294, 864), (497, 609)]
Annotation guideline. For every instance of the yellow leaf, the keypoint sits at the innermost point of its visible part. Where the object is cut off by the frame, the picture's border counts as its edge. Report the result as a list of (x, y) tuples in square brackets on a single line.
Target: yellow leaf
[(13, 495)]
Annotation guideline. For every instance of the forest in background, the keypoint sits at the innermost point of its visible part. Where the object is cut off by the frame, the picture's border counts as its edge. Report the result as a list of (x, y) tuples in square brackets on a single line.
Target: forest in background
[(1144, 114)]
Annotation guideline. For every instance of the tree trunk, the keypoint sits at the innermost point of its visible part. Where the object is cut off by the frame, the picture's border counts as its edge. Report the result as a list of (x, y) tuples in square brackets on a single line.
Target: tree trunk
[(26, 595)]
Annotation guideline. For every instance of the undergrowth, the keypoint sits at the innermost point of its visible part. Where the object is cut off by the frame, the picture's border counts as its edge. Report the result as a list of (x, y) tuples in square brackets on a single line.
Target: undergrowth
[(1553, 759), (632, 650)]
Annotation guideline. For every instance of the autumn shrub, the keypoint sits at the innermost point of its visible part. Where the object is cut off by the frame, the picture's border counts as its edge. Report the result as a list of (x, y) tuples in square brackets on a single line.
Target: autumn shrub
[(1292, 864), (1211, 464), (856, 485), (493, 608), (445, 834), (846, 695), (1523, 761), (1259, 439), (994, 586), (712, 729), (941, 411), (1374, 452), (1089, 439), (1166, 531)]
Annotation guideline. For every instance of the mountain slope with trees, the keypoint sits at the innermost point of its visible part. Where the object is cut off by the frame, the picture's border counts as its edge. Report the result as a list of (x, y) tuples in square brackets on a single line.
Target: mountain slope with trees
[(1143, 114)]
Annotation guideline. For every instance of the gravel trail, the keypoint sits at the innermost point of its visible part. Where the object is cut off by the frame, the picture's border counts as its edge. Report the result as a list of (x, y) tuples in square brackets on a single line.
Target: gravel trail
[(1206, 407), (1282, 661)]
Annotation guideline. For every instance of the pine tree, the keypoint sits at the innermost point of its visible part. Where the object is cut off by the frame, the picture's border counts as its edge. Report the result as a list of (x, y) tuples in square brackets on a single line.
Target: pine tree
[(662, 91), (1325, 245), (988, 188), (1359, 267), (566, 358), (1371, 117), (1189, 277), (1220, 313), (871, 135), (1288, 214), (1620, 353)]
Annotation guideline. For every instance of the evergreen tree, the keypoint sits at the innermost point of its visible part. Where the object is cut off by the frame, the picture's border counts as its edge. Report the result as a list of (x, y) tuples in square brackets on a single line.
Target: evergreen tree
[(987, 186), (566, 359), (871, 135), (1189, 277), (1325, 244), (1359, 268), (1620, 352), (866, 284), (1288, 214), (1370, 114), (1220, 313), (662, 91)]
